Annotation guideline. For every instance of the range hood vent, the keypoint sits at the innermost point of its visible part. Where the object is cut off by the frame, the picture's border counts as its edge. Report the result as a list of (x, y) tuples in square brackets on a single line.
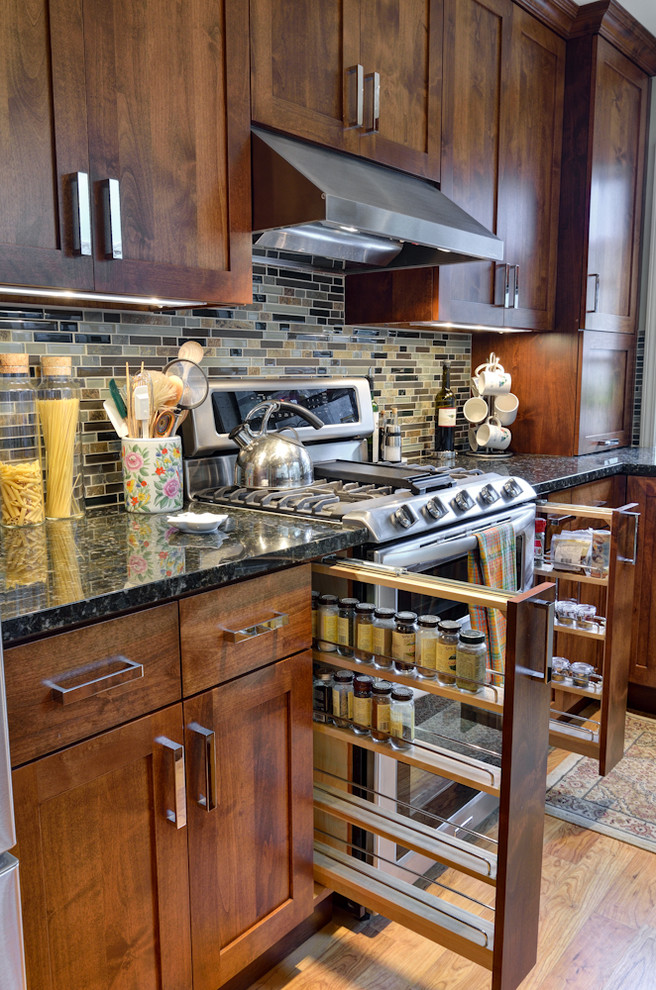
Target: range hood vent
[(316, 202)]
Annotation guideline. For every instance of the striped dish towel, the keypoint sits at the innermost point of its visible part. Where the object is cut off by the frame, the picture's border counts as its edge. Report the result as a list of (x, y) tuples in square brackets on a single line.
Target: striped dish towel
[(493, 564)]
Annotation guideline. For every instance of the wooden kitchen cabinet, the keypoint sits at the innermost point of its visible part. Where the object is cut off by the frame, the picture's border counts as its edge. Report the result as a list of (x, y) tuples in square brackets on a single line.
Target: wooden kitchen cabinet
[(313, 64), (250, 816), (104, 882), (605, 126), (642, 672), (127, 171), (502, 120)]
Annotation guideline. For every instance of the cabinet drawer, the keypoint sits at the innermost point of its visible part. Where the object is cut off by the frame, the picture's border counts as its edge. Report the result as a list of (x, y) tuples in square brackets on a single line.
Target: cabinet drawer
[(224, 633), (75, 684)]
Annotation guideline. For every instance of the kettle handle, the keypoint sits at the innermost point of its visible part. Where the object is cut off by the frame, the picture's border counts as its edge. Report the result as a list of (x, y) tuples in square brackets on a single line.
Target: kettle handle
[(272, 405)]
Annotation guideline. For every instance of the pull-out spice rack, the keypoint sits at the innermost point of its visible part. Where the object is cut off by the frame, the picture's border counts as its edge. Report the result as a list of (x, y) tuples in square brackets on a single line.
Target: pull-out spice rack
[(598, 734), (501, 936)]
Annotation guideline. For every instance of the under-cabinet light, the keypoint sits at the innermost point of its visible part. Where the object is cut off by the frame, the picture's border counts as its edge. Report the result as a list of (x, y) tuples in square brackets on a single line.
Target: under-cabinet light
[(67, 294)]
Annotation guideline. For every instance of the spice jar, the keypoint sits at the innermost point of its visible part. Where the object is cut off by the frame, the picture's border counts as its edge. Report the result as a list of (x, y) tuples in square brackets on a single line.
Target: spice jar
[(380, 710), (581, 674), (404, 641), (559, 669), (402, 717), (328, 623), (471, 656), (566, 613), (364, 627), (315, 616), (58, 407), (343, 698), (445, 650), (381, 637), (362, 703), (322, 696), (585, 617), (426, 641), (21, 482), (346, 626)]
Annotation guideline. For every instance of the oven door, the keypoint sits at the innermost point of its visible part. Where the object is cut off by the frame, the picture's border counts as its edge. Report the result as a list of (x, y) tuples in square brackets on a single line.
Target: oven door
[(405, 789)]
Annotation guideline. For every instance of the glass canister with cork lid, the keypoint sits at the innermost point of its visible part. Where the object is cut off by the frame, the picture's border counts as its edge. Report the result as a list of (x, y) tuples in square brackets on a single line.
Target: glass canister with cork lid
[(58, 407), (21, 482)]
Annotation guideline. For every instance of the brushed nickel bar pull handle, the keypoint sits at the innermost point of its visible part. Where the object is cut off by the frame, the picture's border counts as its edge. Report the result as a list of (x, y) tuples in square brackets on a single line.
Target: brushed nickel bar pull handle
[(81, 206), (549, 609), (178, 814), (595, 306), (516, 294), (112, 219), (609, 442), (257, 629), (636, 518), (506, 287), (354, 72), (372, 81), (68, 688), (208, 799)]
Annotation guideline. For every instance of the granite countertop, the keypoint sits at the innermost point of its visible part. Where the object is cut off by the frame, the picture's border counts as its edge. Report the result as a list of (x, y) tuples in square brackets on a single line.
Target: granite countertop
[(68, 572), (73, 571)]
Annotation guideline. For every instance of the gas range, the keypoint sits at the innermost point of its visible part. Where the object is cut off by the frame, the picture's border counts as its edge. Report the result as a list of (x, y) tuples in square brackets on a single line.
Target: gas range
[(393, 501)]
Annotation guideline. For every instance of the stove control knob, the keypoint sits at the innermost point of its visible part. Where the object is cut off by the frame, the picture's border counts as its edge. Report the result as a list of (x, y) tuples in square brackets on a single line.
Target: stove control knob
[(462, 501), (511, 489), (488, 495), (434, 509), (404, 516)]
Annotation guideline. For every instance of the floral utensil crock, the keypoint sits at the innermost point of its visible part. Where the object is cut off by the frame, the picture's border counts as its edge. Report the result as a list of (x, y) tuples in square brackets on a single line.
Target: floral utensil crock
[(152, 474)]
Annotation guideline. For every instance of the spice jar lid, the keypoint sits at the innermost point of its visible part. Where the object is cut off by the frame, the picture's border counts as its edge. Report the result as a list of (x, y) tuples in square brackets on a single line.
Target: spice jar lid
[(384, 613), (365, 607), (56, 365), (348, 602), (581, 668), (450, 625), (472, 636), (382, 687), (400, 693), (408, 617), (343, 675), (13, 363), (428, 620), (363, 681), (325, 675), (328, 600)]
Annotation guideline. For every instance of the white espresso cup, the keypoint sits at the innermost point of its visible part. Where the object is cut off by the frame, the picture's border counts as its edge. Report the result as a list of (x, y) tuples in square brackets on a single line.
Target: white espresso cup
[(492, 381), (475, 410), (493, 434), (473, 442), (505, 408)]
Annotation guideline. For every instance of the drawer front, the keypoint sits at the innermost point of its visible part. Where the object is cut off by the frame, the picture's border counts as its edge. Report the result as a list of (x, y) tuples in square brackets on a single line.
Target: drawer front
[(230, 631), (72, 685)]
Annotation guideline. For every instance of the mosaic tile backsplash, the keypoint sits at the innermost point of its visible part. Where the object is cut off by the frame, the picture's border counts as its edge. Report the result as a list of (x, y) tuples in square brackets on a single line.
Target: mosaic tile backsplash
[(294, 326)]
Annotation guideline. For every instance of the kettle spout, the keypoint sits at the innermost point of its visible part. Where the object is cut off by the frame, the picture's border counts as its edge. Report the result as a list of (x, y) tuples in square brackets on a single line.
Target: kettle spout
[(242, 436)]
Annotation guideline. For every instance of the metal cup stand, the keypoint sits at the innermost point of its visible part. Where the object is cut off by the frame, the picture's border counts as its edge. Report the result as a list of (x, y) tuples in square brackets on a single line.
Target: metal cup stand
[(489, 453)]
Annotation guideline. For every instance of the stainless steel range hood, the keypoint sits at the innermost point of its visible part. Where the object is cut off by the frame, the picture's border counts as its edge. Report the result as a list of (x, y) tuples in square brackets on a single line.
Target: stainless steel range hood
[(313, 201)]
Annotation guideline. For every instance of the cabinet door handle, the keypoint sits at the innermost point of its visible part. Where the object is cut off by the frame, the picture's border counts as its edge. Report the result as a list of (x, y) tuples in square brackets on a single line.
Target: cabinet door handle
[(354, 75), (506, 287), (277, 620), (207, 799), (595, 305), (372, 83), (609, 442), (80, 684), (516, 292), (178, 814), (81, 205), (549, 609), (111, 193)]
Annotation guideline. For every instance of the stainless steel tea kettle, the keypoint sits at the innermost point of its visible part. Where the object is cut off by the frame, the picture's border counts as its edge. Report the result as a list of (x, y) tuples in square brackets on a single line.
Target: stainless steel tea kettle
[(271, 460)]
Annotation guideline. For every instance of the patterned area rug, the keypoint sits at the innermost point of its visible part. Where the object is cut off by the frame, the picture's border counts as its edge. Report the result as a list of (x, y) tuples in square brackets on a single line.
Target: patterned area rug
[(623, 803)]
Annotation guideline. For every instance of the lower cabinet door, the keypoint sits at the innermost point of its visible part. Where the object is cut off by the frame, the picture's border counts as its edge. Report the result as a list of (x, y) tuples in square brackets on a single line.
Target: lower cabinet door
[(103, 861), (249, 788)]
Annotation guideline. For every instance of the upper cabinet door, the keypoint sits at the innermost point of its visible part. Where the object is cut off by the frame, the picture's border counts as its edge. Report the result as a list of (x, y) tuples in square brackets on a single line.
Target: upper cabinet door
[(40, 162), (503, 100), (618, 154), (169, 143), (362, 76)]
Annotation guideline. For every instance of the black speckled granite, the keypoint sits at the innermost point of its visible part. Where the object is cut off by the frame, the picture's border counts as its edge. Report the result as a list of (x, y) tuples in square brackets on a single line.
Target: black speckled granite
[(68, 572)]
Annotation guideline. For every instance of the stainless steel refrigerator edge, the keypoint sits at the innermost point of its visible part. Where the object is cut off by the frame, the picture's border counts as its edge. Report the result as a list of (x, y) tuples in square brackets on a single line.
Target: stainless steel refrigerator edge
[(12, 957)]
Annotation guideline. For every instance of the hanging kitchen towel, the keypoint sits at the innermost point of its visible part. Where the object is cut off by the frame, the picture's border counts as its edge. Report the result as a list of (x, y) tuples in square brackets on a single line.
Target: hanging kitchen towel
[(493, 564)]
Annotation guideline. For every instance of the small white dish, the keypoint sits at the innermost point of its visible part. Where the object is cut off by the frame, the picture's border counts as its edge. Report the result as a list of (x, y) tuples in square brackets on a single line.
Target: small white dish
[(196, 522)]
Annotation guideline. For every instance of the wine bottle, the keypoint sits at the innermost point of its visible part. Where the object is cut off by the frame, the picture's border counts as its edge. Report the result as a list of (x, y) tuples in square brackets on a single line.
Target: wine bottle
[(445, 418)]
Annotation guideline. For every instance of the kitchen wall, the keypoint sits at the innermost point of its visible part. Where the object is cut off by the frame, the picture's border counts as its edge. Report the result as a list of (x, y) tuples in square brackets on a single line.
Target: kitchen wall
[(295, 326)]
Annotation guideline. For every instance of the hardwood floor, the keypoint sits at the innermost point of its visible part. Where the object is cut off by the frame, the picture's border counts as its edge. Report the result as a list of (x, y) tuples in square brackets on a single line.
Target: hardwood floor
[(597, 930)]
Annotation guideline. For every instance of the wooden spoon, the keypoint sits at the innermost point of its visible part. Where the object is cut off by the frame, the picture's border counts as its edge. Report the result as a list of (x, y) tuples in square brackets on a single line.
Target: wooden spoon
[(191, 350)]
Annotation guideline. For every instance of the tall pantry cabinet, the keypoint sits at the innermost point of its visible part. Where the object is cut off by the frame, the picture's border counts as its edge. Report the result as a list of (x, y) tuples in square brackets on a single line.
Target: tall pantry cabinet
[(125, 152)]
